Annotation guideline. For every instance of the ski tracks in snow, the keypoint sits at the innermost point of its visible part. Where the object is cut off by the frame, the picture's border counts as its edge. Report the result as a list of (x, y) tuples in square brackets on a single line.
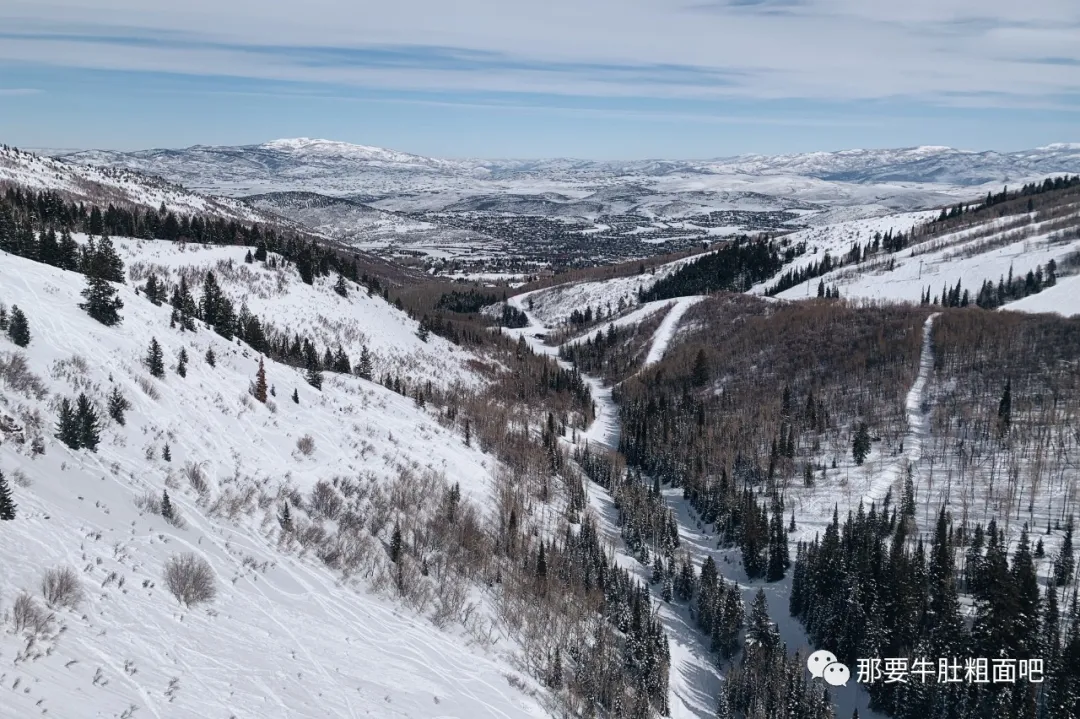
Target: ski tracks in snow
[(918, 421)]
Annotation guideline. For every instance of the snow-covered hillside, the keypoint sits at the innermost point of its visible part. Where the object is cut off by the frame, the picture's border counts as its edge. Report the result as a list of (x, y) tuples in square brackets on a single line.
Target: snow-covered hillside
[(554, 305), (104, 185), (280, 297), (993, 250), (287, 634)]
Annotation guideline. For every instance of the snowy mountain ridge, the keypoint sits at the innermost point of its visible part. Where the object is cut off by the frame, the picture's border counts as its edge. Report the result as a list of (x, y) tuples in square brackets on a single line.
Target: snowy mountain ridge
[(327, 160)]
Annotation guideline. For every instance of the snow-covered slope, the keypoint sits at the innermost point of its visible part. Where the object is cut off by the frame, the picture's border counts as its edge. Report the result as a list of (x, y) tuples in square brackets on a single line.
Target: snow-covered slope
[(554, 305), (104, 185), (287, 636), (993, 250), (279, 296)]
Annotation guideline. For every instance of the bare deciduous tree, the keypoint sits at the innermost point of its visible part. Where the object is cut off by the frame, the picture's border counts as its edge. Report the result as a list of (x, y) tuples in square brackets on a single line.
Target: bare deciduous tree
[(61, 588), (190, 579)]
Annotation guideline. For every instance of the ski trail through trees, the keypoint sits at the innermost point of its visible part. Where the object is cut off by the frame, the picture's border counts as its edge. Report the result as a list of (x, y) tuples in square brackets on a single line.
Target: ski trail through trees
[(694, 679), (666, 331), (918, 421)]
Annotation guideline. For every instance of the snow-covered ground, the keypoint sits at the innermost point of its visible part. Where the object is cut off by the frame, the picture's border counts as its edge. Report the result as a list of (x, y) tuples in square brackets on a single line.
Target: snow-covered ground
[(286, 636), (553, 306), (969, 257), (661, 339), (104, 185), (282, 298), (1062, 299)]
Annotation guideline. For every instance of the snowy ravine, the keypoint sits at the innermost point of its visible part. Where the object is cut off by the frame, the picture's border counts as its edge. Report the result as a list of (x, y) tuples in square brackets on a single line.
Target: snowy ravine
[(695, 678)]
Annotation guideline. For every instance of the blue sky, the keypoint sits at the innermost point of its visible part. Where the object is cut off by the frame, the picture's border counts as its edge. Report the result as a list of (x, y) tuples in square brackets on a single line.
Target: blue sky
[(615, 79)]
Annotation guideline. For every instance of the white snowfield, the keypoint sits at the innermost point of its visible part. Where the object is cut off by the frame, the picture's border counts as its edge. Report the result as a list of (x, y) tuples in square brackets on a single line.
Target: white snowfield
[(553, 306), (285, 636), (936, 263), (282, 298), (119, 186)]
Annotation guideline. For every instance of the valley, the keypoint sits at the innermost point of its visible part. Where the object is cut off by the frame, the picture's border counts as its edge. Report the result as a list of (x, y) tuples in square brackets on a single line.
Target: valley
[(557, 438)]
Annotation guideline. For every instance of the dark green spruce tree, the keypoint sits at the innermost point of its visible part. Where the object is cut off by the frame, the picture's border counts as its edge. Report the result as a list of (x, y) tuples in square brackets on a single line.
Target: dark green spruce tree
[(87, 421), (18, 328), (7, 503), (155, 359), (102, 268), (118, 404), (67, 428)]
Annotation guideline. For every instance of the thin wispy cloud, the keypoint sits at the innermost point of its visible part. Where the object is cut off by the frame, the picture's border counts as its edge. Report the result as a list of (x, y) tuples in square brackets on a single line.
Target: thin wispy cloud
[(552, 72), (818, 49)]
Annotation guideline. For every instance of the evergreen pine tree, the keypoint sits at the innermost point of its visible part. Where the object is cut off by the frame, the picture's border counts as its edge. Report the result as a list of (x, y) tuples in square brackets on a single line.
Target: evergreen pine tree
[(155, 359), (210, 358), (1065, 562), (68, 252), (285, 518), (314, 376), (87, 420), (340, 287), (7, 504), (3, 318), (166, 453), (555, 677), (184, 308), (101, 301), (541, 563), (166, 506), (67, 429), (260, 382), (761, 633), (18, 328), (153, 290), (395, 544), (1005, 409), (700, 374), (364, 368), (181, 364), (295, 396), (118, 404), (860, 445)]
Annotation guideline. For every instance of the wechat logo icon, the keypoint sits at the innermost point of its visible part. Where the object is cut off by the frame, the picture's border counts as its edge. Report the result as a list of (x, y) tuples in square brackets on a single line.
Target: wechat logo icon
[(823, 665)]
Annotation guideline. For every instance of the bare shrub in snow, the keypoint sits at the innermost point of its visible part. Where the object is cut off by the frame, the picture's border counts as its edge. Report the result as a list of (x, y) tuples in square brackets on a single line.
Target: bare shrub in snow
[(61, 588), (149, 502), (149, 388), (196, 478), (27, 615), (325, 501), (190, 579), (20, 479), (15, 371), (232, 503), (306, 445), (309, 534)]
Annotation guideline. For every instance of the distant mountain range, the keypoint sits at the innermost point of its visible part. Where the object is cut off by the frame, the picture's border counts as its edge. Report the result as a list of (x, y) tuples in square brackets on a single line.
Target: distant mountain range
[(338, 168)]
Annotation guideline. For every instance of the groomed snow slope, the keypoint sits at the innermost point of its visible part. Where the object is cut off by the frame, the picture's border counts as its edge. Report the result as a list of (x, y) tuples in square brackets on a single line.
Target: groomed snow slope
[(963, 256), (286, 637), (1063, 299), (282, 298), (553, 306)]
